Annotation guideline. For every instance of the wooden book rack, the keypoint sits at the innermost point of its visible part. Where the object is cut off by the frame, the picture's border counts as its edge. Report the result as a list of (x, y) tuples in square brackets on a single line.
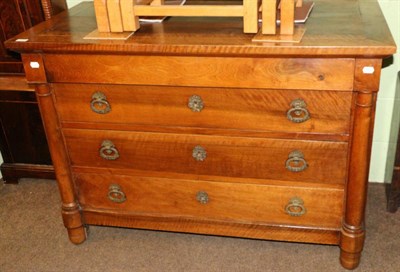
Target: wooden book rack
[(116, 16)]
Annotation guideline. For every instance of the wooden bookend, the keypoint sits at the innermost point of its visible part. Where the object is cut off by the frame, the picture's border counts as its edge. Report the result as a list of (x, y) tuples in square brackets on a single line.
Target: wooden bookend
[(157, 2), (269, 8), (100, 8), (250, 16), (287, 17), (114, 15), (130, 22)]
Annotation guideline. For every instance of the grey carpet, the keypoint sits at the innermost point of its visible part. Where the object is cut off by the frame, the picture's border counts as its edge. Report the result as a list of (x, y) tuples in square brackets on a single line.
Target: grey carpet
[(32, 238)]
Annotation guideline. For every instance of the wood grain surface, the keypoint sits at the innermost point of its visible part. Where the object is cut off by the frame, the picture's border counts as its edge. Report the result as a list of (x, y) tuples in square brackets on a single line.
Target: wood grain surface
[(223, 108), (291, 73), (339, 28), (255, 204), (242, 132), (226, 156)]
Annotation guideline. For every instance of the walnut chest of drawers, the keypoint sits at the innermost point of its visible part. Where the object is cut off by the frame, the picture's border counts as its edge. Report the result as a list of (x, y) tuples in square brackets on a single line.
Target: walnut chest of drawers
[(191, 127)]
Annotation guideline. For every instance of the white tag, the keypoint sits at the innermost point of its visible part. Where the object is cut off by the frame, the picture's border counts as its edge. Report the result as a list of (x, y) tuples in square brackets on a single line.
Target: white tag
[(368, 70), (22, 40), (34, 64)]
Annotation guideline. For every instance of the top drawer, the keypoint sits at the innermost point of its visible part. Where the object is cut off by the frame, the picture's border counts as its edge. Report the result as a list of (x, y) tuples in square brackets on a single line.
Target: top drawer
[(275, 73)]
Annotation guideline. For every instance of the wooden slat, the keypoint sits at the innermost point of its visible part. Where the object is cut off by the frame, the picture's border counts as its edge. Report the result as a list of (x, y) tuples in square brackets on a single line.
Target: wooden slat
[(14, 83), (100, 8), (250, 16), (130, 22), (287, 17), (115, 15), (157, 2), (269, 16), (190, 10)]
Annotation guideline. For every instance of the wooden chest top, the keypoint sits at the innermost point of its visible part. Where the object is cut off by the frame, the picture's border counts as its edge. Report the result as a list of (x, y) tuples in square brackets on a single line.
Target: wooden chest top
[(353, 28)]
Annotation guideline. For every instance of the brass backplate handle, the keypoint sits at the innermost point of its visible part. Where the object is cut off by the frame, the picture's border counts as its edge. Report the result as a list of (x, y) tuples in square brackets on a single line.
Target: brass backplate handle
[(108, 151), (298, 112), (296, 161), (295, 207), (99, 103), (199, 153), (115, 194), (202, 197), (195, 103)]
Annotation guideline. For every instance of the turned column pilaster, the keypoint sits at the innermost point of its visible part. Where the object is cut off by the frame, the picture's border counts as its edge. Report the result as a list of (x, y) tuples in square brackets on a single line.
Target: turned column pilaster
[(35, 73), (366, 85)]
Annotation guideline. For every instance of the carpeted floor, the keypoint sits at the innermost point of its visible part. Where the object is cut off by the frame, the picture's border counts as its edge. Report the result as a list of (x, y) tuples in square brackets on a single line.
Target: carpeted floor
[(32, 238)]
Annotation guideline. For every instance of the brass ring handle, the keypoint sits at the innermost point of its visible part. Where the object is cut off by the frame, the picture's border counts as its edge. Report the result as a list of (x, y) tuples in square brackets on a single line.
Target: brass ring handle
[(99, 103), (296, 162), (195, 103), (115, 194), (295, 207), (202, 197), (108, 151), (199, 153), (298, 112)]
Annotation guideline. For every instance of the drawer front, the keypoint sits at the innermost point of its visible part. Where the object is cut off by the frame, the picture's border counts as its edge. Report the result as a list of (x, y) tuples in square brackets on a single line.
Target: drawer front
[(276, 73), (317, 161), (301, 206), (215, 108)]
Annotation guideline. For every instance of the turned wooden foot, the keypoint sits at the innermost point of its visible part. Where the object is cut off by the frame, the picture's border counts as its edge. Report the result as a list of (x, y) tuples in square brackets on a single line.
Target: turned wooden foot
[(77, 235), (351, 246), (350, 260), (73, 222)]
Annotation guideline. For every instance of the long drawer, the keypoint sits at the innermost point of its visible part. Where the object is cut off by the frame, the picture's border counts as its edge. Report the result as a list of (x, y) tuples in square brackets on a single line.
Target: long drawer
[(242, 109), (314, 161), (235, 72), (301, 206)]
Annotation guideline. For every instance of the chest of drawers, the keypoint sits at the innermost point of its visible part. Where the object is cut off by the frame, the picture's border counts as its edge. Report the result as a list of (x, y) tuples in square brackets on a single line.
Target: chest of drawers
[(190, 127)]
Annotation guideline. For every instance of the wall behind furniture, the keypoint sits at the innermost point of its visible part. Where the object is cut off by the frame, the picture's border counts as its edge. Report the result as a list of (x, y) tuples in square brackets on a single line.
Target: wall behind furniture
[(384, 141)]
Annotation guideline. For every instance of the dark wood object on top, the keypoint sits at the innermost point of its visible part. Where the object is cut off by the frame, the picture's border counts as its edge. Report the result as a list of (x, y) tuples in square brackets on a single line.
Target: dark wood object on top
[(23, 143)]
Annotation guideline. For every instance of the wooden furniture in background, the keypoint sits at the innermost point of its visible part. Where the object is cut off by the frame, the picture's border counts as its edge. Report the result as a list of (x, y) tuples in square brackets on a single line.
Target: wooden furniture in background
[(188, 126), (394, 188), (23, 142), (394, 192)]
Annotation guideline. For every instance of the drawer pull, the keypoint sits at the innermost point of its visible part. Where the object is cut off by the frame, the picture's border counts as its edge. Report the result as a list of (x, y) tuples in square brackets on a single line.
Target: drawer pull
[(115, 194), (296, 162), (199, 153), (195, 103), (298, 113), (108, 150), (202, 197), (295, 207), (99, 103)]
